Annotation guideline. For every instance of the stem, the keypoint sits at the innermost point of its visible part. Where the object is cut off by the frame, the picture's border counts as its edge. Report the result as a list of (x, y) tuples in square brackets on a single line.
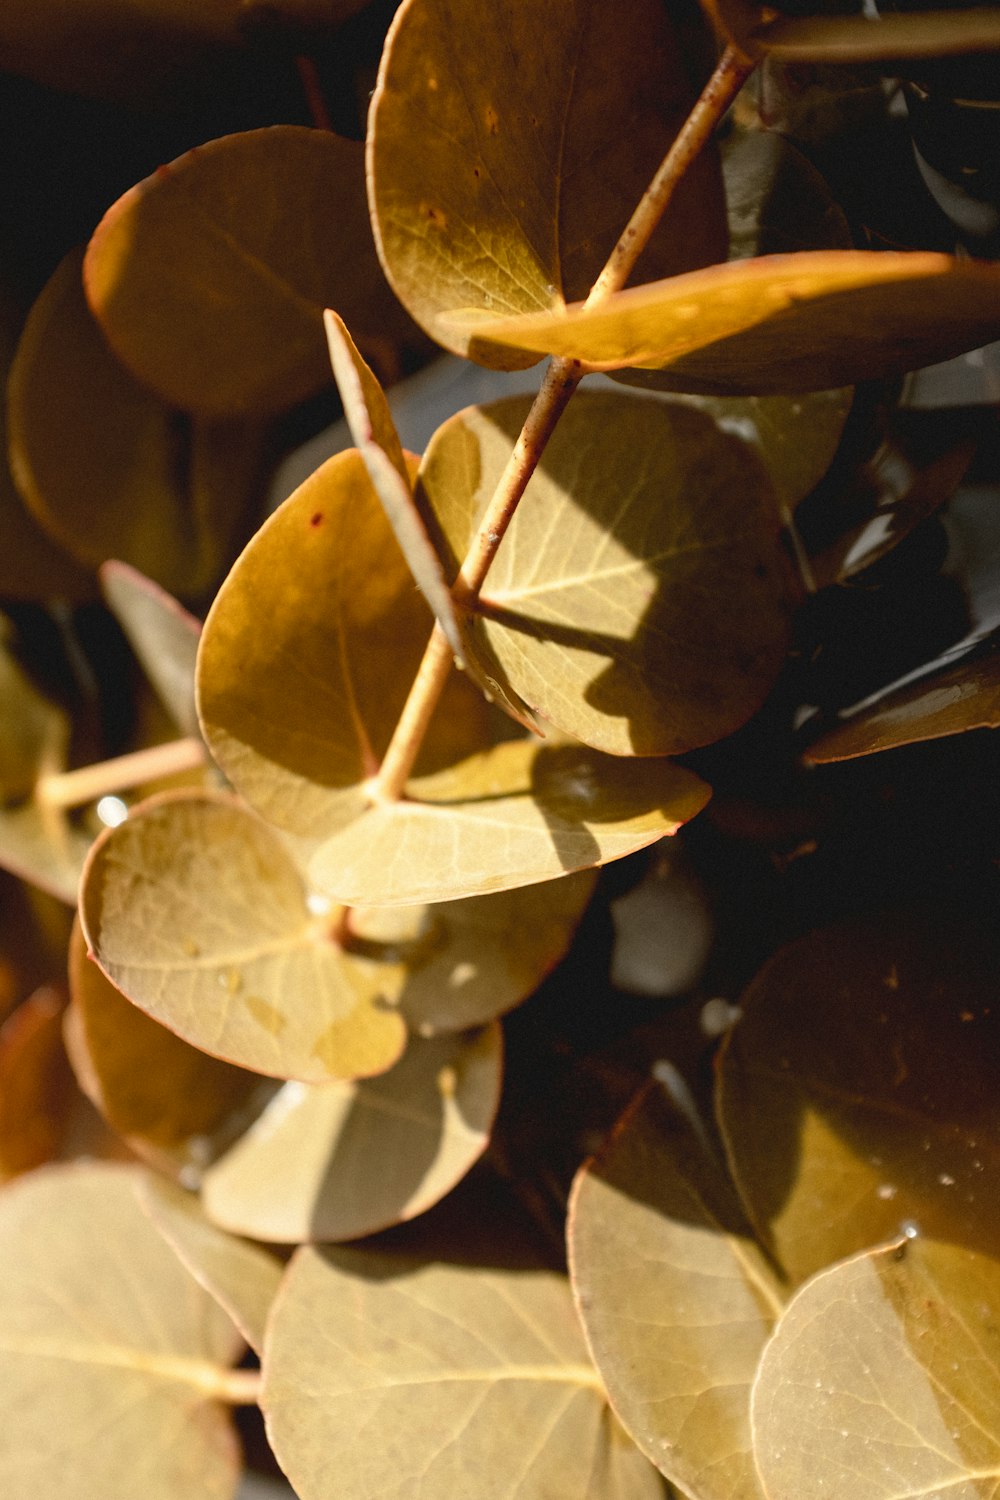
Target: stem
[(561, 380), (73, 788), (309, 78), (237, 1387)]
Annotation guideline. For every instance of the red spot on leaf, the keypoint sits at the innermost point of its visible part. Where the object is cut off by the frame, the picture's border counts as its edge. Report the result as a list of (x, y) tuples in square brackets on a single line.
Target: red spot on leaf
[(317, 519)]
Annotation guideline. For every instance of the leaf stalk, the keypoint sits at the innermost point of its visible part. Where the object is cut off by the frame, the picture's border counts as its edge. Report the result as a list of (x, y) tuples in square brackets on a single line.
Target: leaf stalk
[(74, 788)]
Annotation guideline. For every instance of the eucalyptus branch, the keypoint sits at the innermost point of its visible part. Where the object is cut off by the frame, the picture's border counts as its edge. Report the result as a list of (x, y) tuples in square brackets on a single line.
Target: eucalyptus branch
[(74, 788), (561, 380)]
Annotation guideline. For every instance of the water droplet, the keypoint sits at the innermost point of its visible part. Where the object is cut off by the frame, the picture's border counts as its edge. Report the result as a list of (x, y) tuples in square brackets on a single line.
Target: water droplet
[(909, 1229), (112, 811)]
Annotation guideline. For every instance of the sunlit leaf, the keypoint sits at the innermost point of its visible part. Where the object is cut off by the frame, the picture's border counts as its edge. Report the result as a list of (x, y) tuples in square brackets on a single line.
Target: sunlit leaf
[(858, 1092), (676, 1299), (472, 1381), (469, 961), (637, 601), (782, 323), (515, 815), (173, 1103), (883, 1380), (242, 1278), (163, 635), (338, 1161), (504, 169), (951, 700), (856, 38), (210, 277), (36, 1087), (299, 714), (86, 439), (195, 909), (112, 1354)]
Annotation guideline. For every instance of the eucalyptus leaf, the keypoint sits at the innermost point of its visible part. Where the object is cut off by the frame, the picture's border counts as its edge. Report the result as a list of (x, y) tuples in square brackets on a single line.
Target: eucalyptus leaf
[(163, 635), (472, 1381), (676, 1298), (303, 1171), (638, 601), (35, 1083), (210, 277), (856, 38), (782, 323), (883, 1379), (502, 170), (857, 1094), (196, 910), (113, 1357)]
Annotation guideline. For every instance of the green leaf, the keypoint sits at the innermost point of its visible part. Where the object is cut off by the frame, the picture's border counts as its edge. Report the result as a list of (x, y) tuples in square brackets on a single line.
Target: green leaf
[(113, 1357), (504, 168), (174, 1104), (304, 1170), (210, 277), (299, 714), (242, 1278), (515, 815), (86, 438), (163, 635), (638, 599), (676, 1299), (196, 910), (783, 323), (858, 1092), (883, 1380), (472, 1381)]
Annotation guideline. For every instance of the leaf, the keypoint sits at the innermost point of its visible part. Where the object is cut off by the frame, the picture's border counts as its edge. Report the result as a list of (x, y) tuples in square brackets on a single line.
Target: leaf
[(783, 323), (299, 714), (304, 1170), (174, 1104), (86, 438), (676, 1299), (163, 635), (112, 1354), (856, 38), (503, 170), (883, 1379), (952, 700), (35, 1083), (637, 601), (196, 910), (469, 961), (480, 1378), (210, 277), (242, 1278), (515, 815), (858, 1092)]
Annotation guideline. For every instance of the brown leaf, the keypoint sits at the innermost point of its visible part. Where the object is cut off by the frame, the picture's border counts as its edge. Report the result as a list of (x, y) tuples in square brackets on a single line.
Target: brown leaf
[(36, 1085), (163, 635)]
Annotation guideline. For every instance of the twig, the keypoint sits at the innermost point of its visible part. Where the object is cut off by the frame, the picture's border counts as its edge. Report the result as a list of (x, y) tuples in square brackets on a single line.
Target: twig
[(74, 788)]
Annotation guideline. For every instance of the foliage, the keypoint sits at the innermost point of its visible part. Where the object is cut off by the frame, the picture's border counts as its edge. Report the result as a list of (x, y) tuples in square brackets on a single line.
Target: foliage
[(340, 970)]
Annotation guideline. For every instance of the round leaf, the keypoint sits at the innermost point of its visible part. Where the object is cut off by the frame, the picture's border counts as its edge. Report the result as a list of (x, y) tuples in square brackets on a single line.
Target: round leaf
[(195, 909), (210, 277), (172, 1102), (783, 323), (502, 170), (304, 1170), (112, 1354), (676, 1299), (469, 1381), (883, 1380), (858, 1092), (161, 633), (85, 439), (299, 710), (35, 1084), (637, 601)]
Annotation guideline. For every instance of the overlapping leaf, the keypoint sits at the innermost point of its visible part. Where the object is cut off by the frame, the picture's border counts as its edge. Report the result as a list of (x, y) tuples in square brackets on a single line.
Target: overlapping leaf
[(172, 1102), (163, 635), (858, 1092), (508, 146), (338, 1161), (473, 1381), (195, 909), (113, 1356), (86, 439), (887, 36), (210, 277), (242, 1278), (782, 323), (637, 601), (676, 1299), (883, 1379), (35, 1084)]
